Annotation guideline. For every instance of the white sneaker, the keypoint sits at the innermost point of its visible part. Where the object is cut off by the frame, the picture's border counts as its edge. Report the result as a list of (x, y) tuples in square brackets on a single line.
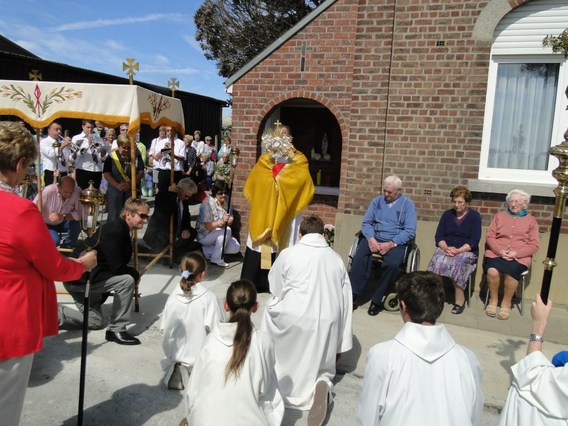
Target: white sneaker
[(221, 263)]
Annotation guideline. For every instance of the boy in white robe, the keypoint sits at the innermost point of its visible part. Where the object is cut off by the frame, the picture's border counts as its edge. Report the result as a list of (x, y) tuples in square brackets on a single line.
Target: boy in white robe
[(539, 393), (421, 376), (309, 315)]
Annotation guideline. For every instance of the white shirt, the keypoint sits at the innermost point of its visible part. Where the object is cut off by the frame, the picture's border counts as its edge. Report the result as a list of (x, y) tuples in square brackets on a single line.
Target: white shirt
[(86, 161), (308, 317), (250, 399), (179, 151), (421, 377), (538, 395), (199, 146), (48, 159), (186, 321)]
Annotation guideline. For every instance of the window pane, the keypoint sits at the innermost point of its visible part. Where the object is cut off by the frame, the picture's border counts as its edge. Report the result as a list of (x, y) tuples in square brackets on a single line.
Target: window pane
[(523, 115)]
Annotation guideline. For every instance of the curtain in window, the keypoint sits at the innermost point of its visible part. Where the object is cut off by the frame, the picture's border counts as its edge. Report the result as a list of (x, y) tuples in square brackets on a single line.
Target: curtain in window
[(523, 114)]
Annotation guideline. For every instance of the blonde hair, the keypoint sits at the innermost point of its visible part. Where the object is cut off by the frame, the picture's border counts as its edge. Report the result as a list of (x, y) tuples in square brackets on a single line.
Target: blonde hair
[(16, 142), (132, 205), (191, 266)]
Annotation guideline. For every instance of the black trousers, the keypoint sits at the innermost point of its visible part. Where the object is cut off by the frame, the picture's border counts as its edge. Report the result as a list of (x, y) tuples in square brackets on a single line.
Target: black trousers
[(48, 176), (251, 270)]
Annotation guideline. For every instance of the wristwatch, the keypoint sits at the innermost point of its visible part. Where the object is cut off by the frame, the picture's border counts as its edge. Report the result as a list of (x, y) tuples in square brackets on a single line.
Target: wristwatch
[(536, 338)]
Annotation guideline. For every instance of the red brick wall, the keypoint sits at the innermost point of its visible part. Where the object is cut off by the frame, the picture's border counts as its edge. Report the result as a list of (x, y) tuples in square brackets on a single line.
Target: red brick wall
[(407, 87)]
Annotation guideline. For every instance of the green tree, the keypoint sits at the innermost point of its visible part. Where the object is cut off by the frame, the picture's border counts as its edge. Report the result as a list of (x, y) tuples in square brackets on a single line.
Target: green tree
[(232, 32)]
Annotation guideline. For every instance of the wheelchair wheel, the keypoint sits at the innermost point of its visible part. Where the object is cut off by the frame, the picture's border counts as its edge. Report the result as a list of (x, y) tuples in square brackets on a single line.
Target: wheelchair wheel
[(390, 302), (413, 260), (352, 251)]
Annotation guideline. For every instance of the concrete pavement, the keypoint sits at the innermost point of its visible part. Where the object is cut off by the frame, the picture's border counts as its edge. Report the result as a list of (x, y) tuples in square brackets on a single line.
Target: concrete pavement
[(124, 385)]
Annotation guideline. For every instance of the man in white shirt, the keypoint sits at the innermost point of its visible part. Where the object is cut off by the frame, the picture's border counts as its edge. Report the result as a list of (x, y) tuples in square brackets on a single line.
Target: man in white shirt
[(54, 158), (421, 376), (90, 156), (309, 319), (162, 154)]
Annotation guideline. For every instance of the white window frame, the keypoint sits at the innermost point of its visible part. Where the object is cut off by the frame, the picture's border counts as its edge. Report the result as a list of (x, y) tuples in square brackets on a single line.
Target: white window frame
[(560, 123)]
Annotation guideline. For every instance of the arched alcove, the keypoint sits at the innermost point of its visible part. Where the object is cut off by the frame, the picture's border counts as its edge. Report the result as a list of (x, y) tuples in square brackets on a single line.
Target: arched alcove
[(311, 123)]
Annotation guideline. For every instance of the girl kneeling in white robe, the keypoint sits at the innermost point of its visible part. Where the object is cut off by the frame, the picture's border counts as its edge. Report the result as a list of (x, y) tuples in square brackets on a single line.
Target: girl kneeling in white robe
[(233, 381), (190, 314)]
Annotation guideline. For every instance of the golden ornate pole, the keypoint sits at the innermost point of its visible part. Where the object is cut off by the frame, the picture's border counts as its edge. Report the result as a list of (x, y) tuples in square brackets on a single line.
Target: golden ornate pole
[(561, 192), (173, 83), (131, 65)]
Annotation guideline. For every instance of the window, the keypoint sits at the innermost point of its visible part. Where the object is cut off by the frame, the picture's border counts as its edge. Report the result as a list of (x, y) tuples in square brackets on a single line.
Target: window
[(524, 116)]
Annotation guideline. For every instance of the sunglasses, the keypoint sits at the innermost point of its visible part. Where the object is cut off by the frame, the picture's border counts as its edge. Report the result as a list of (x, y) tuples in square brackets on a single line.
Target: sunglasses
[(222, 193), (143, 216)]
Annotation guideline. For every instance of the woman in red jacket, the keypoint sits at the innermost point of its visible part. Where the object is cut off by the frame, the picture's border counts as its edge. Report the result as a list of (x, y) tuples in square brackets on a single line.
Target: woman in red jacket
[(29, 263)]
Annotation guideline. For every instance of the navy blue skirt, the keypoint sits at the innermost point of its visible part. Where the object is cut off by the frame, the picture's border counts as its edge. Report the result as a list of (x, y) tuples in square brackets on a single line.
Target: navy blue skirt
[(509, 267)]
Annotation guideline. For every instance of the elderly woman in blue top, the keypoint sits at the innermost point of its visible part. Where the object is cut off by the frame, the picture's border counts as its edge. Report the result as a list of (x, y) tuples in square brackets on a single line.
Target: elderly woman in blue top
[(457, 241), (388, 225)]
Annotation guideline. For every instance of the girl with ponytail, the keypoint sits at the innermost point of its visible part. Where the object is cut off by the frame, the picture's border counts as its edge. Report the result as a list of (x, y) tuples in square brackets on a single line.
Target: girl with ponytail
[(190, 314), (235, 369)]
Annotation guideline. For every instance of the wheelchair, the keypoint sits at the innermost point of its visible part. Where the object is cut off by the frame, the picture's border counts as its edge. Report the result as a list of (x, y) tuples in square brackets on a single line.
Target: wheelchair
[(410, 264)]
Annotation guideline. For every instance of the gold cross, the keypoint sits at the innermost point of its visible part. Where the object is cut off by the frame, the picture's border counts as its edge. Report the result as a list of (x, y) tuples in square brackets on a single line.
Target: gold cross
[(173, 84), (35, 75), (277, 123), (130, 65)]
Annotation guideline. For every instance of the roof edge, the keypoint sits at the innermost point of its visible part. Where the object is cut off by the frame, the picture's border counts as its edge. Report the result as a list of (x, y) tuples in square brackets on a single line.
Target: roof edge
[(278, 42)]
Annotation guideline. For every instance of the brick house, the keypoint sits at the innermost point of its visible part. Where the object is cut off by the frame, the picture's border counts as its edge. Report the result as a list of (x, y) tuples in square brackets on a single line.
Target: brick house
[(439, 92)]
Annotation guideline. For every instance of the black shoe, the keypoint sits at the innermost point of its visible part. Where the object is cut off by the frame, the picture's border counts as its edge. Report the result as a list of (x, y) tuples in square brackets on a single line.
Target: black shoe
[(176, 381), (355, 301), (457, 309), (374, 309), (121, 337)]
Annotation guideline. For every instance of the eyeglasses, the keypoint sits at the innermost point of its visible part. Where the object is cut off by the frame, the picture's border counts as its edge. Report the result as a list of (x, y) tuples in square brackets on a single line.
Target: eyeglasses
[(143, 216), (221, 192)]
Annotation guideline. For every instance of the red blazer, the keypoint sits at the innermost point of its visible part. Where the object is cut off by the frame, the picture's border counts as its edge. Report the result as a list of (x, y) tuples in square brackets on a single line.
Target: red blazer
[(29, 263)]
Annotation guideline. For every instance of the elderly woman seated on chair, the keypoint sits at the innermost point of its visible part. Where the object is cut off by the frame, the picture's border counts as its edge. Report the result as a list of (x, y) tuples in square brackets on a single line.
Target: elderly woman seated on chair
[(457, 240), (512, 239)]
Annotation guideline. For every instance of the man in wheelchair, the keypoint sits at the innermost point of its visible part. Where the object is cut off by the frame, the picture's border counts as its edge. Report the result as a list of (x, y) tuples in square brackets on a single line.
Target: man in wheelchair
[(387, 228)]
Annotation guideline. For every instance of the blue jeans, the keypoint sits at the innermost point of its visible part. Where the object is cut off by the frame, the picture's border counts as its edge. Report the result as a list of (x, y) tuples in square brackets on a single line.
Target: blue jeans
[(71, 227), (361, 269)]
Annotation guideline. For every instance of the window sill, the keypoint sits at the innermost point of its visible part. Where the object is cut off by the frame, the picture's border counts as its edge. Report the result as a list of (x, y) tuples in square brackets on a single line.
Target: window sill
[(326, 190), (501, 187)]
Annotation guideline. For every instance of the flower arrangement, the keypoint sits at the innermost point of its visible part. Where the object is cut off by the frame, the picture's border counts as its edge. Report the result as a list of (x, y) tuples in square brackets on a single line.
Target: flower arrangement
[(559, 44), (329, 233)]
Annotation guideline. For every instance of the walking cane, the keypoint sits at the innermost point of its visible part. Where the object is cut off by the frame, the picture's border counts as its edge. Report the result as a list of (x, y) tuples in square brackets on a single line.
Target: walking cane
[(234, 161), (91, 199)]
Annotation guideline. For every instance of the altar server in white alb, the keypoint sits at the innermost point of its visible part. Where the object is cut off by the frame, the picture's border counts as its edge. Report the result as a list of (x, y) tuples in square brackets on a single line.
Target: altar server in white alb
[(190, 314), (308, 318), (539, 393), (421, 376), (233, 381)]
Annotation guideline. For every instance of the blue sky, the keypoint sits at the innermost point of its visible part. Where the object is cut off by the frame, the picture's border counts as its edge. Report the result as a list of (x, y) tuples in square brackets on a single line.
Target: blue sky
[(100, 35)]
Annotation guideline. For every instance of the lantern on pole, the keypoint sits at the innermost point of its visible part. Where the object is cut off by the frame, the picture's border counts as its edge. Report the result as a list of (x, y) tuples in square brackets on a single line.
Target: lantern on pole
[(91, 200)]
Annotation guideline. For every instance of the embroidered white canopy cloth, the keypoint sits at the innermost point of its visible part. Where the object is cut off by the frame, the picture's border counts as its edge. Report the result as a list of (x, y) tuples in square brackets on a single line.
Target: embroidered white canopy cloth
[(38, 103)]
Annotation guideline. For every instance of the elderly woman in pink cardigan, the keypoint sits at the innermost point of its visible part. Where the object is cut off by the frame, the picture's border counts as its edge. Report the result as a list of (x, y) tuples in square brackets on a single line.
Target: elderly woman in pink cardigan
[(511, 241)]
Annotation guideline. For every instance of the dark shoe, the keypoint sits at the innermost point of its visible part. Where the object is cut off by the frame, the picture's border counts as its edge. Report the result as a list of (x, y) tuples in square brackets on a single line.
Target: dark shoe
[(121, 337), (457, 309), (176, 382), (374, 309), (355, 301)]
